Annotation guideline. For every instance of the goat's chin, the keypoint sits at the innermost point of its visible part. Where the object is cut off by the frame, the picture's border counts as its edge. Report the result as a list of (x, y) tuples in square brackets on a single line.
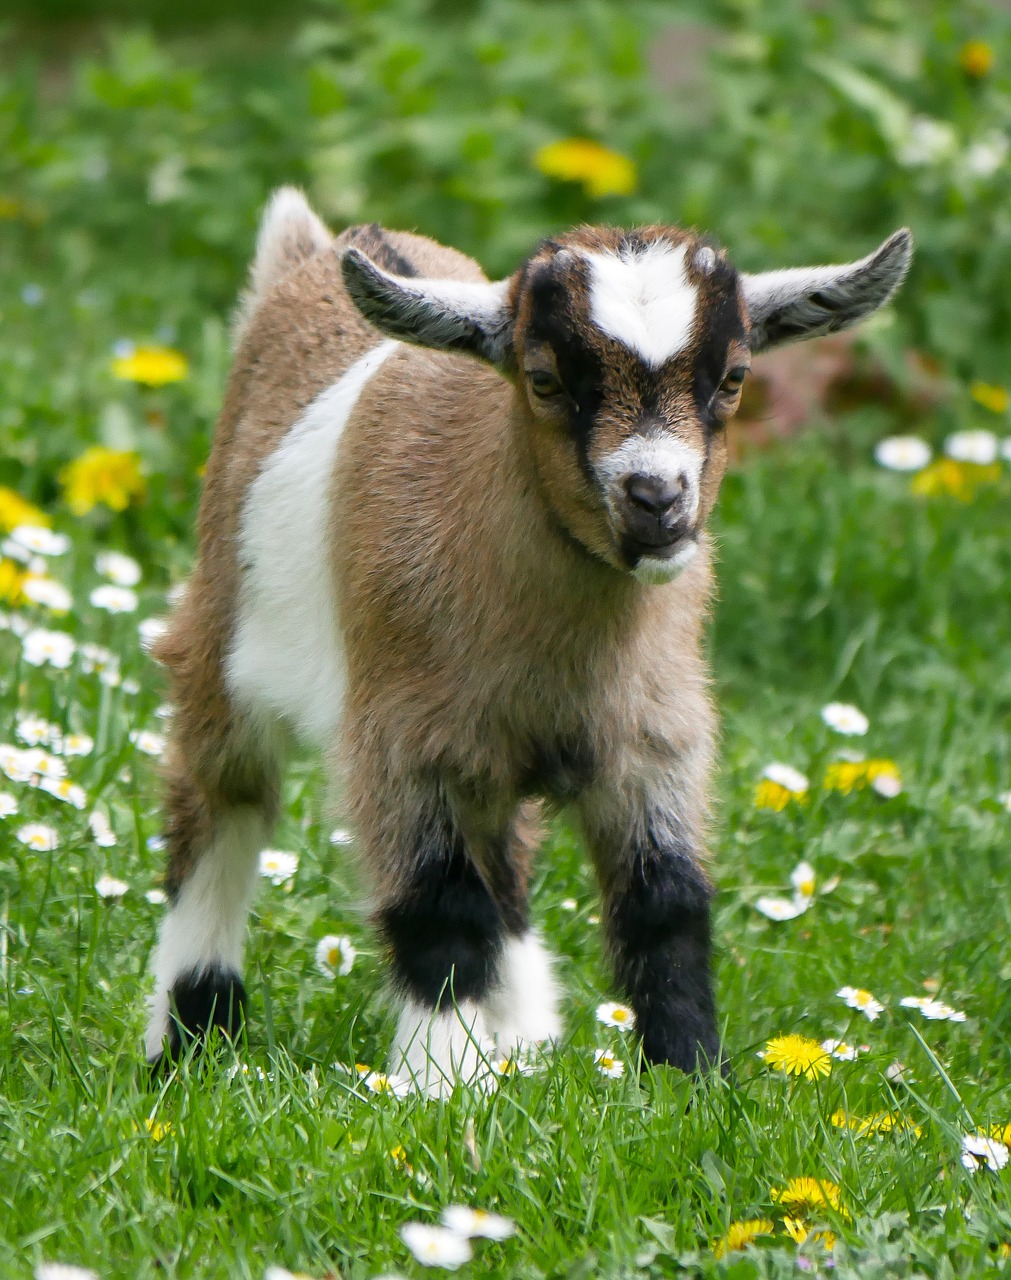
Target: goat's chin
[(656, 570)]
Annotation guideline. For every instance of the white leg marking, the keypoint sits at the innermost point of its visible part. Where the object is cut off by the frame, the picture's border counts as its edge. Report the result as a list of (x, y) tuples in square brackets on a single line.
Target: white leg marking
[(206, 926), (523, 1008), (287, 653), (644, 300), (437, 1051)]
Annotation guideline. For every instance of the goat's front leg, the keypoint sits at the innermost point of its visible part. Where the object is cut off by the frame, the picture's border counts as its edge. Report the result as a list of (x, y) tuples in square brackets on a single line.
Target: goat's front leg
[(657, 915)]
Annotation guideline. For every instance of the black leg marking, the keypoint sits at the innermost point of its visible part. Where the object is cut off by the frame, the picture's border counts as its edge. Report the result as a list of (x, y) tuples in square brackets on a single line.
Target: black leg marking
[(202, 999), (445, 927), (658, 921)]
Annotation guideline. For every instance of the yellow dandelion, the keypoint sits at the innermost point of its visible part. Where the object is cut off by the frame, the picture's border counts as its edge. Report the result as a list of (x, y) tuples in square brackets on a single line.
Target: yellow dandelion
[(995, 399), (797, 1056), (879, 1122), (157, 1128), (15, 510), (770, 795), (740, 1234), (854, 775), (151, 366), (101, 475), (804, 1197), (1001, 1132), (948, 478), (601, 171), (796, 1229), (976, 59), (12, 580)]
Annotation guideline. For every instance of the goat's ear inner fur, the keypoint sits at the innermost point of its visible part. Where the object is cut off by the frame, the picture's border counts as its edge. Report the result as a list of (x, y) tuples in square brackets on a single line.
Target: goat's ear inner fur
[(805, 302), (447, 315)]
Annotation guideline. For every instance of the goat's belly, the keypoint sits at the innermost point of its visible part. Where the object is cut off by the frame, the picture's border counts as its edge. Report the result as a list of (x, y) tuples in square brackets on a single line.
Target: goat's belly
[(286, 660)]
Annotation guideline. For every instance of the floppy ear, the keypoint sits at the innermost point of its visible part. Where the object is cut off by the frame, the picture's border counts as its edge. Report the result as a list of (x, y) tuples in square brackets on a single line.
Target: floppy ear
[(447, 315), (805, 302)]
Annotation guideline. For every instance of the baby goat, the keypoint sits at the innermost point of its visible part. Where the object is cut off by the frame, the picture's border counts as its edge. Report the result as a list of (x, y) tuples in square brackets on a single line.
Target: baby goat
[(453, 532)]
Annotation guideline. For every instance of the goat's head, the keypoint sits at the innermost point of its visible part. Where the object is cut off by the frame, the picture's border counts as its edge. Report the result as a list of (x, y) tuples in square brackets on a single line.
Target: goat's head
[(628, 352)]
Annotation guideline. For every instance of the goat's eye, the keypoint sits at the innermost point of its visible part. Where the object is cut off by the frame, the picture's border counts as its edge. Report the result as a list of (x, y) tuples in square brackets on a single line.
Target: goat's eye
[(544, 384), (734, 380)]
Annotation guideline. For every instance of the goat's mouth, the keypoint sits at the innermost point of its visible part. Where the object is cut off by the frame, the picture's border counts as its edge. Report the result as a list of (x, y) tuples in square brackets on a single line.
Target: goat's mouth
[(653, 563)]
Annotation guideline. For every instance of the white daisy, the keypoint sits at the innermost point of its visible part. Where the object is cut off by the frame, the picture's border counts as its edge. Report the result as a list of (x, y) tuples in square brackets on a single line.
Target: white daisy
[(107, 886), (114, 599), (985, 156), (927, 142), (146, 740), (381, 1082), (77, 744), (101, 831), (570, 904), (41, 542), (150, 631), (96, 657), (277, 866), (65, 790), (156, 897), (123, 570), (858, 998), (435, 1246), (35, 731), (341, 836), (37, 836), (803, 880), (844, 718), (840, 1050), (63, 1271), (896, 1072), (14, 764), (979, 1152), (8, 805), (613, 1014), (335, 956), (932, 1009), (47, 592), (477, 1223), (608, 1064), (41, 647), (902, 453), (972, 446), (780, 909), (887, 785), (130, 686), (786, 776)]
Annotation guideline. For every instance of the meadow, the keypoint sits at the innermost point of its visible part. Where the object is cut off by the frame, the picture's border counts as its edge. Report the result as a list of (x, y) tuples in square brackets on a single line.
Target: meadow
[(863, 918)]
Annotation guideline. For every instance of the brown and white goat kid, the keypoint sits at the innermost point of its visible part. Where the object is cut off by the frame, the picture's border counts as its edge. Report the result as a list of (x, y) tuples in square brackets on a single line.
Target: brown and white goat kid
[(453, 533)]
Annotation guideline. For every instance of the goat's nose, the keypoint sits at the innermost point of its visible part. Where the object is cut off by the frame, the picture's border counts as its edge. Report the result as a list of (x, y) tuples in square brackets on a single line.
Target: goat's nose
[(654, 494)]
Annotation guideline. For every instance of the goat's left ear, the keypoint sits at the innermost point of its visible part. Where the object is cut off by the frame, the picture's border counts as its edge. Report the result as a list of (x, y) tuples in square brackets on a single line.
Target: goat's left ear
[(806, 302), (447, 315)]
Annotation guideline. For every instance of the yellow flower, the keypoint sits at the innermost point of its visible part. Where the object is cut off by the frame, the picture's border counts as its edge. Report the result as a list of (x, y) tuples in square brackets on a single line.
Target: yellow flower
[(152, 366), (601, 171), (976, 58), (797, 1231), (955, 479), (11, 581), (15, 510), (102, 475), (157, 1128), (770, 795), (1001, 1132), (879, 1122), (803, 1197), (850, 775), (995, 399), (797, 1056), (740, 1234)]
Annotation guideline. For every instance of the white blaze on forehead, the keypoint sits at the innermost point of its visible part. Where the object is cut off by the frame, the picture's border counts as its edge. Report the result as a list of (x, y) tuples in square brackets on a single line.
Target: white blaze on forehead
[(644, 300)]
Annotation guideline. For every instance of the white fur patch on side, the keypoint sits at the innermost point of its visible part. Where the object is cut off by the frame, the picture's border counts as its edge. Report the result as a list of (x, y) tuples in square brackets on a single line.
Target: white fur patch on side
[(287, 658), (206, 926), (437, 1051), (289, 233), (523, 1009), (654, 571), (645, 300), (661, 455)]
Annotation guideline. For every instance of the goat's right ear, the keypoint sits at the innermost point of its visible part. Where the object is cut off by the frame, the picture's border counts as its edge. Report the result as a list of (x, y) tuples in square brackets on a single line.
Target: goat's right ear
[(446, 315)]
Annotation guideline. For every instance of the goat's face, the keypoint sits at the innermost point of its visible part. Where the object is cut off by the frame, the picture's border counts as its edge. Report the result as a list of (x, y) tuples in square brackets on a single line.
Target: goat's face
[(628, 353)]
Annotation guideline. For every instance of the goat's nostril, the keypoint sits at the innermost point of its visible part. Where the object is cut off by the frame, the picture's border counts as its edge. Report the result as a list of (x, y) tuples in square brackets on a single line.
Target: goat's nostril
[(653, 493)]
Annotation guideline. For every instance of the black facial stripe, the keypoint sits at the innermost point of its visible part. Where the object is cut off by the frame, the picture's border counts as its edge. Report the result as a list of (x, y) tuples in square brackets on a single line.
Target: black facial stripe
[(718, 324)]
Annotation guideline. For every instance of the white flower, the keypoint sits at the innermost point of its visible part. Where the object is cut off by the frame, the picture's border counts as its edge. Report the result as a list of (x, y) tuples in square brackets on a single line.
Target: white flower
[(516, 1064), (36, 835), (109, 887), (786, 776), (972, 446), (435, 1246), (8, 805), (152, 744), (35, 731), (978, 1151), (840, 1050), (33, 764), (39, 541), (53, 647), (858, 998), (844, 718), (114, 599), (927, 143), (902, 453), (613, 1014), (570, 904), (278, 866), (934, 1010), (76, 744), (380, 1082), (157, 897), (130, 686), (608, 1064), (803, 880), (335, 956), (341, 836), (47, 592), (96, 657), (123, 570), (986, 156), (64, 789), (151, 631), (102, 833), (780, 909), (896, 1072), (63, 1271), (477, 1223)]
